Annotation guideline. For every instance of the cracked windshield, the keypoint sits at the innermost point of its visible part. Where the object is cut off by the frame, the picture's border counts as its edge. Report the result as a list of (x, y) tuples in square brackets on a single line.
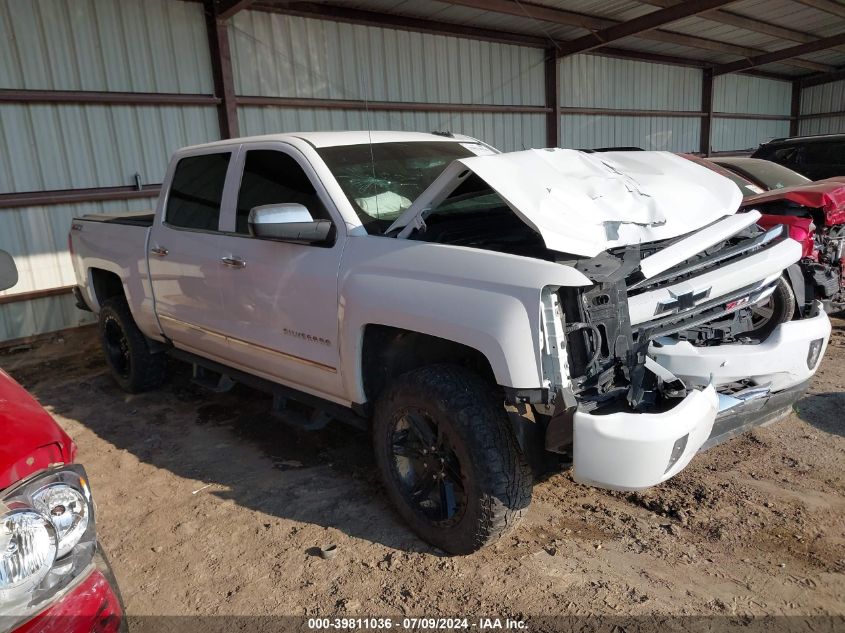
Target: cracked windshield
[(381, 180)]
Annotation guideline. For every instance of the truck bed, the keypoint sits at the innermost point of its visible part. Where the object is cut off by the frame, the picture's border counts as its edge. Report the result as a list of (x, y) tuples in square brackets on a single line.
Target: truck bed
[(135, 218)]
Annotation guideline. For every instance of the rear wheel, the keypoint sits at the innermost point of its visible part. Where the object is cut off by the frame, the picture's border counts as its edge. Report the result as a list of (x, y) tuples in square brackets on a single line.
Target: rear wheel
[(448, 458), (777, 309), (127, 351)]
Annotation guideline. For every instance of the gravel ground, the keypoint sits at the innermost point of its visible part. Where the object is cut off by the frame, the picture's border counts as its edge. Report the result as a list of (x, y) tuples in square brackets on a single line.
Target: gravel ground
[(209, 506)]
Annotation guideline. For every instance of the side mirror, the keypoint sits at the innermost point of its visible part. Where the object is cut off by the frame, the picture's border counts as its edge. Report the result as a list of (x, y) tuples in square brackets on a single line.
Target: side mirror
[(288, 222), (8, 271)]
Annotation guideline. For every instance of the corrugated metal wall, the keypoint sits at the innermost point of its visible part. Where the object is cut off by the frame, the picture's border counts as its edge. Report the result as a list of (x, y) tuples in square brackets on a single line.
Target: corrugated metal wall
[(99, 45), (748, 95), (505, 131), (593, 81), (114, 45), (824, 98), (77, 146), (285, 56)]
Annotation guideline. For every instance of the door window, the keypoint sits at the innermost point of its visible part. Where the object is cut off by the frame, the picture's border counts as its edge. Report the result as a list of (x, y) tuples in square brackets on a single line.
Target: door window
[(196, 192), (785, 155), (273, 177)]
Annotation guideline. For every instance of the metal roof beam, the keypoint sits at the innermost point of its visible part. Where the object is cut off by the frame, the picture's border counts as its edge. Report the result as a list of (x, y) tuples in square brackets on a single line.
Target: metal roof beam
[(828, 6), (389, 20), (595, 23), (639, 25), (780, 55), (822, 78), (754, 25), (227, 8), (421, 25)]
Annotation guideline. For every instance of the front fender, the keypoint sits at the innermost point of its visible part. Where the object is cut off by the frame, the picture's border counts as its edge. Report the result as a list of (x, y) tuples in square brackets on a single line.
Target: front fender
[(485, 300)]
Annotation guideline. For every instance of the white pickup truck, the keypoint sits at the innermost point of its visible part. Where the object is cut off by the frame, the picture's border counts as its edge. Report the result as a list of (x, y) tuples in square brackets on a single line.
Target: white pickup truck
[(483, 313)]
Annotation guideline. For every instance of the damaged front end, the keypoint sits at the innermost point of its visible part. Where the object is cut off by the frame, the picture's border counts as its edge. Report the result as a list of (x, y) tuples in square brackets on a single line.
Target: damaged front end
[(638, 368), (647, 349)]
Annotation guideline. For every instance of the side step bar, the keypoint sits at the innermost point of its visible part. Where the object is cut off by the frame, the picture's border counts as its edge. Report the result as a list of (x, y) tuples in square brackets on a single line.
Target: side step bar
[(325, 411)]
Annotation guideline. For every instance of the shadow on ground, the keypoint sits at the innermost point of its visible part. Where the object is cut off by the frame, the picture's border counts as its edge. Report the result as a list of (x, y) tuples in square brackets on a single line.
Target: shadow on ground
[(825, 411), (229, 441)]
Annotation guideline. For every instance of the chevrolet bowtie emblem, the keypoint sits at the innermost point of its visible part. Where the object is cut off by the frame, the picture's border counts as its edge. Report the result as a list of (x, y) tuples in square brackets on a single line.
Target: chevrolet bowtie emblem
[(681, 302)]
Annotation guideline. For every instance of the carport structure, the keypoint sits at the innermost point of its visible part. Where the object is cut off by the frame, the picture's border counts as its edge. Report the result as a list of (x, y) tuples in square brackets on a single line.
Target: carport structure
[(95, 95)]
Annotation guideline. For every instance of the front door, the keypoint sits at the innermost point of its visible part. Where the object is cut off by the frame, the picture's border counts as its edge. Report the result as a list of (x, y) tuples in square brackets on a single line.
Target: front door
[(280, 298), (184, 254)]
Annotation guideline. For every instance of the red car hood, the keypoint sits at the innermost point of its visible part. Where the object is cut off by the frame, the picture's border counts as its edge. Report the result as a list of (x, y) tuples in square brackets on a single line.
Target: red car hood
[(827, 195), (30, 440)]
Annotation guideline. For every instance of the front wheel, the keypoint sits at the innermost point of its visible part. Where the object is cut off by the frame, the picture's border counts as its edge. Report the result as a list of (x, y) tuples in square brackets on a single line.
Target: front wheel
[(777, 309), (448, 458)]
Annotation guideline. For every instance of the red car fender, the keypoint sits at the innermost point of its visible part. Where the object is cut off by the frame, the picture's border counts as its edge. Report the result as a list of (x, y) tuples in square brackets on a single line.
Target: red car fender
[(31, 439), (800, 230), (827, 195)]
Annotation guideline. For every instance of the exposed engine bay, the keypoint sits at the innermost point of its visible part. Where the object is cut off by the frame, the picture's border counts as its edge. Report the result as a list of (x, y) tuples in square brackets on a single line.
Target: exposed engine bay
[(607, 354), (827, 269), (823, 260)]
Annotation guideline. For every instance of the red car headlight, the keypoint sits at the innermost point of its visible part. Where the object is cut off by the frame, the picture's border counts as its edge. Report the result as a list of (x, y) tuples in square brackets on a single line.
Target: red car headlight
[(47, 536)]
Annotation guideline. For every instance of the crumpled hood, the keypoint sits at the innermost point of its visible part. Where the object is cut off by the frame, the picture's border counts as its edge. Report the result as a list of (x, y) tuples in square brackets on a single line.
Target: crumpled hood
[(584, 203), (827, 195)]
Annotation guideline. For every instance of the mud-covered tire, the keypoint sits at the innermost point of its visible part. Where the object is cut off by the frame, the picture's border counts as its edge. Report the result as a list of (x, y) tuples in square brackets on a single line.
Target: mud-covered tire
[(134, 366), (780, 308), (496, 481)]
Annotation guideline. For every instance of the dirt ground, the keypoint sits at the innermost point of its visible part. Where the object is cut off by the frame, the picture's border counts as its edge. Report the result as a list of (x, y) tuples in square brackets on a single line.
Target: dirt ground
[(207, 505)]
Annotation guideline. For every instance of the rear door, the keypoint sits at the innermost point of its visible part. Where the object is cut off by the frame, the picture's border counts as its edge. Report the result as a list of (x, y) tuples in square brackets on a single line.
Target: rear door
[(184, 252)]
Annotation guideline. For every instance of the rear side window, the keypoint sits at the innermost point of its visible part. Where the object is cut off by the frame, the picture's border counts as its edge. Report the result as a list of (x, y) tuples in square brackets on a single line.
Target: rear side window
[(273, 177), (825, 153), (196, 192)]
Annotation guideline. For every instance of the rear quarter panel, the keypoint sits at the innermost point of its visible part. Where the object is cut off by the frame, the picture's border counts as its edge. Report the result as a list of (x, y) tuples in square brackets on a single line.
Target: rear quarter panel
[(120, 249)]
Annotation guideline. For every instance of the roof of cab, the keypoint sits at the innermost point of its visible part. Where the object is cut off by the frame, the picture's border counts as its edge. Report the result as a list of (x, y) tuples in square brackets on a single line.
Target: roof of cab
[(334, 139), (809, 138)]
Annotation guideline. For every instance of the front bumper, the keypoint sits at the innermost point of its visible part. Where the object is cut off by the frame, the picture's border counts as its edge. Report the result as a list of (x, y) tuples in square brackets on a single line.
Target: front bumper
[(779, 362), (92, 604), (633, 451)]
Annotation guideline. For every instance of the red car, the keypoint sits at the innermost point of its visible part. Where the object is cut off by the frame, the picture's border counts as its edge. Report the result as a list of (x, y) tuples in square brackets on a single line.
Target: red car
[(53, 577), (814, 212)]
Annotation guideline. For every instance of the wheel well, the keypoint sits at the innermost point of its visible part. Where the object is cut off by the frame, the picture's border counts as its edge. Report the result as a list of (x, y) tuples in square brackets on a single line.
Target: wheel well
[(389, 351), (106, 285)]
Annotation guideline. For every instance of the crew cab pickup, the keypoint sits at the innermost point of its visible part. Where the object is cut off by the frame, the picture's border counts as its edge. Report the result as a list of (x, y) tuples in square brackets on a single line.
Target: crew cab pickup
[(479, 311)]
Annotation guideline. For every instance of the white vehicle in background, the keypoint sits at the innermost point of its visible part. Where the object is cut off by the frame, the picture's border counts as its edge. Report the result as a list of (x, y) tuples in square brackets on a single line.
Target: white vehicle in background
[(482, 313)]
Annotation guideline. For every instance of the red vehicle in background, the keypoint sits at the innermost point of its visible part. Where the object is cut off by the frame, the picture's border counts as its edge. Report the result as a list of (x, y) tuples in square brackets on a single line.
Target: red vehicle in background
[(814, 212), (53, 578)]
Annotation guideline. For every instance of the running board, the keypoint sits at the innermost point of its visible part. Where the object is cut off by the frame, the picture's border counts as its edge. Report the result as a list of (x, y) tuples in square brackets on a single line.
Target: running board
[(212, 381), (334, 411), (295, 419)]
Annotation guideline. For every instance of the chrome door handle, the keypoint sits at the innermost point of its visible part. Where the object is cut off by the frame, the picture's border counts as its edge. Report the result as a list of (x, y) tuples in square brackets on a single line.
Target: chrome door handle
[(160, 251), (233, 262)]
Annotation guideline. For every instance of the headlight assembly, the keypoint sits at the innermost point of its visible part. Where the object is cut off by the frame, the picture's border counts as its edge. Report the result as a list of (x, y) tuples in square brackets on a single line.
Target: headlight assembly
[(27, 552), (47, 536), (67, 508)]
